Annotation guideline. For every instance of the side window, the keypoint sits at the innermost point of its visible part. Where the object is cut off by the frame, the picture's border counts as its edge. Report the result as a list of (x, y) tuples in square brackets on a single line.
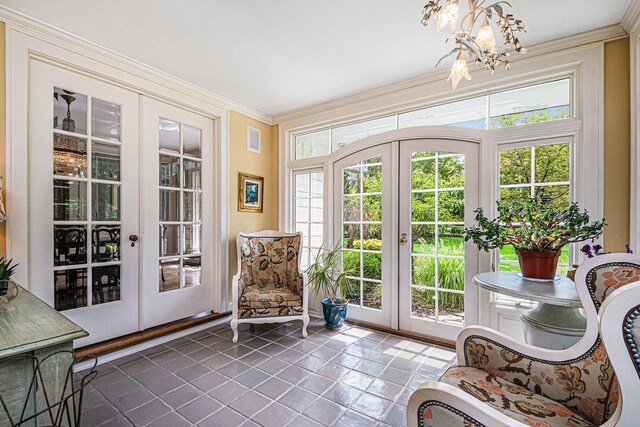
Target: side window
[(542, 171), (308, 212)]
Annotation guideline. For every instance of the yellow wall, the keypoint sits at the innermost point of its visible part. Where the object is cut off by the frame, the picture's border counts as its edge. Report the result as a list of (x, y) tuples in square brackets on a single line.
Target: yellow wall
[(264, 164), (617, 144)]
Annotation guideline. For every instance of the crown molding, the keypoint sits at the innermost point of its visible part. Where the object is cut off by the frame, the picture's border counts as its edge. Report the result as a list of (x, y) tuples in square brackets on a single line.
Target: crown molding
[(51, 34), (610, 32), (631, 18)]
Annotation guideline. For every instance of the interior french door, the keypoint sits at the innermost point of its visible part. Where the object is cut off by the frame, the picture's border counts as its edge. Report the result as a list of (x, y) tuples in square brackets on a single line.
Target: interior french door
[(177, 279), (83, 200), (400, 210)]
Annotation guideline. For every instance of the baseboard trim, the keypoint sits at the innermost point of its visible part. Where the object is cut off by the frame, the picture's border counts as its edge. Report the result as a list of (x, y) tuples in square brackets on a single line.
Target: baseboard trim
[(417, 337), (150, 337)]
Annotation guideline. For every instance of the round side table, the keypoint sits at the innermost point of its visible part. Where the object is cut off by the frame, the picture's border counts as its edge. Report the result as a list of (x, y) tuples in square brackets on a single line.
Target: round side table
[(556, 323)]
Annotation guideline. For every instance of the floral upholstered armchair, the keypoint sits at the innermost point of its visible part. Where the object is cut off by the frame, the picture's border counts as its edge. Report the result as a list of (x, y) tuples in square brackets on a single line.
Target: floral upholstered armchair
[(501, 382), (269, 286)]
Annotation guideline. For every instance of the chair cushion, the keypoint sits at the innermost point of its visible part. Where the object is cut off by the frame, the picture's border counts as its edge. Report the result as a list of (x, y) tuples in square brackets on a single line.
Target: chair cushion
[(258, 297), (515, 401)]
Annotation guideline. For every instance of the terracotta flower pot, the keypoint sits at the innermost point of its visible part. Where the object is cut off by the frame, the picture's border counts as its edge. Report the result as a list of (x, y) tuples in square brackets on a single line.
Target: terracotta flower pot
[(538, 265)]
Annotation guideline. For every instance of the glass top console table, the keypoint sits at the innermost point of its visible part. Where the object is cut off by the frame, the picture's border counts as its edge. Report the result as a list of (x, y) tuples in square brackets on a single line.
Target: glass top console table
[(556, 323)]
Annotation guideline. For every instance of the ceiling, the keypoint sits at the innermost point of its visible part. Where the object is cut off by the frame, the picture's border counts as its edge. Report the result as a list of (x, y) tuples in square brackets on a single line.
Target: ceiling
[(277, 56)]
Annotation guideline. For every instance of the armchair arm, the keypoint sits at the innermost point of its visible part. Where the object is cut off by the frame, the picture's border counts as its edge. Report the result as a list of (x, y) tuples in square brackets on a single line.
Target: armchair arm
[(581, 380), (481, 333), (621, 335), (440, 404)]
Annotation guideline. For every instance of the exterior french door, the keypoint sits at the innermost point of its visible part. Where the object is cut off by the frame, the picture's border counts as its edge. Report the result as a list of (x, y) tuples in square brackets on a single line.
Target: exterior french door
[(363, 210), (438, 192), (177, 276), (83, 200), (400, 210)]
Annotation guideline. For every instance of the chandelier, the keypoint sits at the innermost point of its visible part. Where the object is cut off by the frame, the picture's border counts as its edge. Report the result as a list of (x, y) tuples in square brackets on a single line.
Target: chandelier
[(480, 48)]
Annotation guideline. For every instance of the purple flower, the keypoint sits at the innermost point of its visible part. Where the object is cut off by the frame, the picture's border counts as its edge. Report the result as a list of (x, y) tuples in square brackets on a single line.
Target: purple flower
[(629, 251), (586, 249)]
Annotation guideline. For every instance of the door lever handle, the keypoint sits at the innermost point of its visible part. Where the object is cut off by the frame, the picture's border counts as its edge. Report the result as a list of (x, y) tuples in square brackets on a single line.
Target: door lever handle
[(403, 239)]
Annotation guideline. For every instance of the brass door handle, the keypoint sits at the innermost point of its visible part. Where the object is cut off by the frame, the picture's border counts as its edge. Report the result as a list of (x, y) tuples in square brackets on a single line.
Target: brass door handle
[(134, 239), (403, 239)]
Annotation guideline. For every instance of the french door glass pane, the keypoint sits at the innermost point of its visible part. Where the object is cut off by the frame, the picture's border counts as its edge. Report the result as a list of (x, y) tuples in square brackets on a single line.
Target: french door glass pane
[(105, 161), (69, 244), (191, 271), (69, 155), (192, 137), (192, 207), (169, 274), (437, 237), (83, 227), (169, 171), (106, 284), (69, 111), (106, 243), (192, 239), (169, 240), (192, 174), (105, 120), (362, 231), (70, 287), (169, 205), (106, 202), (69, 200), (169, 135), (180, 210)]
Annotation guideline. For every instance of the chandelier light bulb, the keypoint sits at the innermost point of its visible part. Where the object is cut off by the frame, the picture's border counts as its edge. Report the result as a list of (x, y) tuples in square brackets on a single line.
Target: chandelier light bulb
[(485, 39), (458, 71), (449, 16)]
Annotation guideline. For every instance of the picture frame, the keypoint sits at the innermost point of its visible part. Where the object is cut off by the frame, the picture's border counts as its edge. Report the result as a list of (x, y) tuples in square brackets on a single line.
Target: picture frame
[(250, 193)]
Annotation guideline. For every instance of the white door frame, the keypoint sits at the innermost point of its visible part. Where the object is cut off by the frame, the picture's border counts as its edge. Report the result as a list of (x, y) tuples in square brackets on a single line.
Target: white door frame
[(485, 198), (24, 45)]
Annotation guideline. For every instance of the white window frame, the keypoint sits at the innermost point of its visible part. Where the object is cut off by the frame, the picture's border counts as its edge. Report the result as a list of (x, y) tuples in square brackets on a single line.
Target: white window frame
[(583, 64)]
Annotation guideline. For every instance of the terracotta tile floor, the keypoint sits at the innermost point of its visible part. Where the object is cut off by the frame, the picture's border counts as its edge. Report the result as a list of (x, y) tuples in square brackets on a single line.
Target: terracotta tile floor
[(271, 377)]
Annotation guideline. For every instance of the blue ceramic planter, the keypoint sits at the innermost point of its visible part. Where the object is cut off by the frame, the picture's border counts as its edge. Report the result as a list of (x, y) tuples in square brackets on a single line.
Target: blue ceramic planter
[(334, 314)]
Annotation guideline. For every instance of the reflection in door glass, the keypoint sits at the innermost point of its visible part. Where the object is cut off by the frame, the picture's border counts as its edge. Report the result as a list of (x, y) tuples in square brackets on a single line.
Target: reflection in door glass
[(86, 209), (437, 237), (180, 205), (362, 232)]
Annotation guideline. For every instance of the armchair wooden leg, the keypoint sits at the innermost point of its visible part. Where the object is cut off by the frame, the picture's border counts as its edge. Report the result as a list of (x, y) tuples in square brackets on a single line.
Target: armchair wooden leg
[(305, 323), (234, 328)]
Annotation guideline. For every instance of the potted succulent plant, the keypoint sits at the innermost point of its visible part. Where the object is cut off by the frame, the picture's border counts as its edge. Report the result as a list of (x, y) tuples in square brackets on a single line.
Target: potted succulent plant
[(8, 289), (537, 230), (327, 277)]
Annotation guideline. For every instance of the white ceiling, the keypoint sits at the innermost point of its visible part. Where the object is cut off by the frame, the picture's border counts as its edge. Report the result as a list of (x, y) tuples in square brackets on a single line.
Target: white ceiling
[(282, 55)]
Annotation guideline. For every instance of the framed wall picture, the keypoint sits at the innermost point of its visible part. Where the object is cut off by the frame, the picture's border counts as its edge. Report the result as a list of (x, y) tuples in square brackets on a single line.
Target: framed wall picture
[(250, 192)]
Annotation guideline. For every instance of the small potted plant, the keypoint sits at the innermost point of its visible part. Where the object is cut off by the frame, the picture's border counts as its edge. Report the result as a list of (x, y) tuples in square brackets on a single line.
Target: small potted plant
[(8, 289), (327, 277), (537, 230)]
